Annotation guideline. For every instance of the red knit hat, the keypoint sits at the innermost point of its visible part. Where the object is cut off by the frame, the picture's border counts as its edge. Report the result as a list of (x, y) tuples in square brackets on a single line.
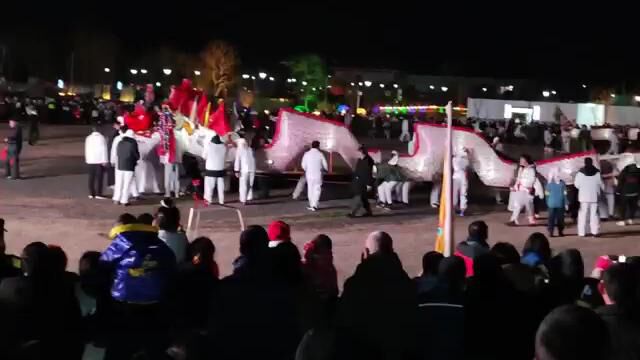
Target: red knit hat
[(279, 231)]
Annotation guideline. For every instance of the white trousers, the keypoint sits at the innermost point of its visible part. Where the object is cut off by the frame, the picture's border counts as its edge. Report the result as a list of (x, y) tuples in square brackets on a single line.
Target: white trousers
[(302, 182), (405, 136), (401, 191), (435, 192), (246, 186), (518, 200), (210, 184), (385, 192), (590, 210), (171, 179), (460, 187), (314, 190), (124, 186), (566, 144)]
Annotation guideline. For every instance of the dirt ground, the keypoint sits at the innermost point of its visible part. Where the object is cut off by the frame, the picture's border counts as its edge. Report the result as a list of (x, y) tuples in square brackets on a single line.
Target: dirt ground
[(50, 204)]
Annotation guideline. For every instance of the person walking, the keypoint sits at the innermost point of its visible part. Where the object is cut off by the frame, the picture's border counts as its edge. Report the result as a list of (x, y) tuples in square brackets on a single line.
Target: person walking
[(589, 184), (14, 147), (556, 196), (112, 134), (405, 136), (361, 183), (34, 126), (215, 154), (628, 189), (314, 165), (127, 156), (245, 169), (96, 157), (523, 189)]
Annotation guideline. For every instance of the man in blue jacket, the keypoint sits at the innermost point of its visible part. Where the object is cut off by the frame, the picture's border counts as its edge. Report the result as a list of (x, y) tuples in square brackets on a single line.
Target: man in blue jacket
[(142, 268)]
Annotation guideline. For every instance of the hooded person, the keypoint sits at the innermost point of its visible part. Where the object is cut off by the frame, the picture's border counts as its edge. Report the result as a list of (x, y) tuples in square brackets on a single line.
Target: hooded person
[(314, 165), (589, 184), (628, 188), (245, 169), (556, 196), (460, 164), (361, 182), (126, 157), (318, 268), (215, 153)]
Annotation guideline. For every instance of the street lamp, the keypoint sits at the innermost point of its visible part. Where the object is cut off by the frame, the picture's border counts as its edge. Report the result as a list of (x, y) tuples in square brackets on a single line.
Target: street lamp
[(353, 84), (304, 83), (636, 98), (133, 71), (245, 76), (444, 88), (395, 86), (166, 71), (271, 78), (158, 84), (60, 84), (545, 93), (484, 89), (144, 71), (119, 85), (553, 92), (613, 95), (107, 70), (293, 80), (196, 72), (367, 83), (253, 77), (262, 75), (382, 86), (584, 86), (431, 87), (360, 83)]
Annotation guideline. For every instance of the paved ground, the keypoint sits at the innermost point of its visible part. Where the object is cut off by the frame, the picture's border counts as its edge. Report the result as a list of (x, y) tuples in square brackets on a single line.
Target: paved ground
[(51, 205)]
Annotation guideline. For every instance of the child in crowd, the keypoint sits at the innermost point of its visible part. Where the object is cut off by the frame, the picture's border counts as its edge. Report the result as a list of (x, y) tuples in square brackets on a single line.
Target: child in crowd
[(556, 195)]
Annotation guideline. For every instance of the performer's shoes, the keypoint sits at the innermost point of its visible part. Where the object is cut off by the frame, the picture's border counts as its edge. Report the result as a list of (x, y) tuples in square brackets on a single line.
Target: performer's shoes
[(91, 196), (98, 197), (310, 208), (621, 223), (435, 206), (629, 222)]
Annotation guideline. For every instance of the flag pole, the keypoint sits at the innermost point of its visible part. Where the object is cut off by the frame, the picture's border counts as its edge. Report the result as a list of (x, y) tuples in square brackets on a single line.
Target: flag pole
[(448, 226)]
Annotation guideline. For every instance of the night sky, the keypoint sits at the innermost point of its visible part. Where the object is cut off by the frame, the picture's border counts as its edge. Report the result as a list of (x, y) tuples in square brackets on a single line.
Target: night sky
[(550, 43)]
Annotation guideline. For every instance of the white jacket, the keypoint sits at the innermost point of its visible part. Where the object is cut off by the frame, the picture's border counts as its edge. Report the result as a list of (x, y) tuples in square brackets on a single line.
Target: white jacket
[(114, 150), (460, 165), (314, 164), (526, 179), (95, 149), (589, 187), (215, 156), (245, 159)]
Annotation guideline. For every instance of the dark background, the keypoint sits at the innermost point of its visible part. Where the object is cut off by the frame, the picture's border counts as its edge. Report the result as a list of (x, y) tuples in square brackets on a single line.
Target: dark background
[(515, 39)]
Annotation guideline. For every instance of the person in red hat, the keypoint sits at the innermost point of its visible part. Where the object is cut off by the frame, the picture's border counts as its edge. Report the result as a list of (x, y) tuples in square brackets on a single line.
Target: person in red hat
[(279, 232)]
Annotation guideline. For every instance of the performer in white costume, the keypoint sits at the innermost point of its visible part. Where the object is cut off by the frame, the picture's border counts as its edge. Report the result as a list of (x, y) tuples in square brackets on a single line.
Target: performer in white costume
[(245, 169), (460, 164), (215, 153), (589, 184), (405, 136), (522, 191), (436, 187), (314, 165)]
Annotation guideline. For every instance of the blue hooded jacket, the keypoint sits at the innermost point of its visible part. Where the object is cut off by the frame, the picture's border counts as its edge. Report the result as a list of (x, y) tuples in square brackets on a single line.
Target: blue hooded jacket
[(143, 265)]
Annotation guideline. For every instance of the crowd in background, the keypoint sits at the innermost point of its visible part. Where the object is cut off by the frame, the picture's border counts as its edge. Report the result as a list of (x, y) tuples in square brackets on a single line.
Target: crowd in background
[(153, 294)]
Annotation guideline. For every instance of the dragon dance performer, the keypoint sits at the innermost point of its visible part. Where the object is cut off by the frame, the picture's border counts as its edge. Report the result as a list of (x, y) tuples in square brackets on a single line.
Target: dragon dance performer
[(522, 192), (169, 152)]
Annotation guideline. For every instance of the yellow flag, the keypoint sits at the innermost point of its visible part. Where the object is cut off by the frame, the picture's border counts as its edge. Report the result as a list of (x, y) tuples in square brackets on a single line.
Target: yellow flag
[(442, 223), (206, 115)]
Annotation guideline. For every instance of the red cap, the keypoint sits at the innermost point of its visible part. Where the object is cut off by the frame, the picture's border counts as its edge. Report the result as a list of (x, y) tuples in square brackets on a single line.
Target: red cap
[(279, 231), (603, 263)]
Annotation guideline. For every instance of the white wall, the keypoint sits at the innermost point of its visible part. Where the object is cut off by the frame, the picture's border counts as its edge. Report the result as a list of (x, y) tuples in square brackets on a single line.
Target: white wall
[(494, 109), (623, 115)]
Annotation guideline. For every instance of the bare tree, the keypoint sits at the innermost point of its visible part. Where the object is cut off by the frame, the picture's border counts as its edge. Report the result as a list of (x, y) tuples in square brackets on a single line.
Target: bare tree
[(220, 60)]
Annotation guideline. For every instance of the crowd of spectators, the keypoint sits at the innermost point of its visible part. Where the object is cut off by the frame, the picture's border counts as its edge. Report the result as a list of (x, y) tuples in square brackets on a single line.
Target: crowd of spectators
[(154, 295)]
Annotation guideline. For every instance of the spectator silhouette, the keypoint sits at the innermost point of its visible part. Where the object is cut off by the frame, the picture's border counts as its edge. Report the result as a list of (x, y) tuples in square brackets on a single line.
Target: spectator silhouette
[(475, 245), (429, 276), (254, 315), (572, 332), (441, 313), (620, 314), (378, 306), (318, 268), (39, 311)]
